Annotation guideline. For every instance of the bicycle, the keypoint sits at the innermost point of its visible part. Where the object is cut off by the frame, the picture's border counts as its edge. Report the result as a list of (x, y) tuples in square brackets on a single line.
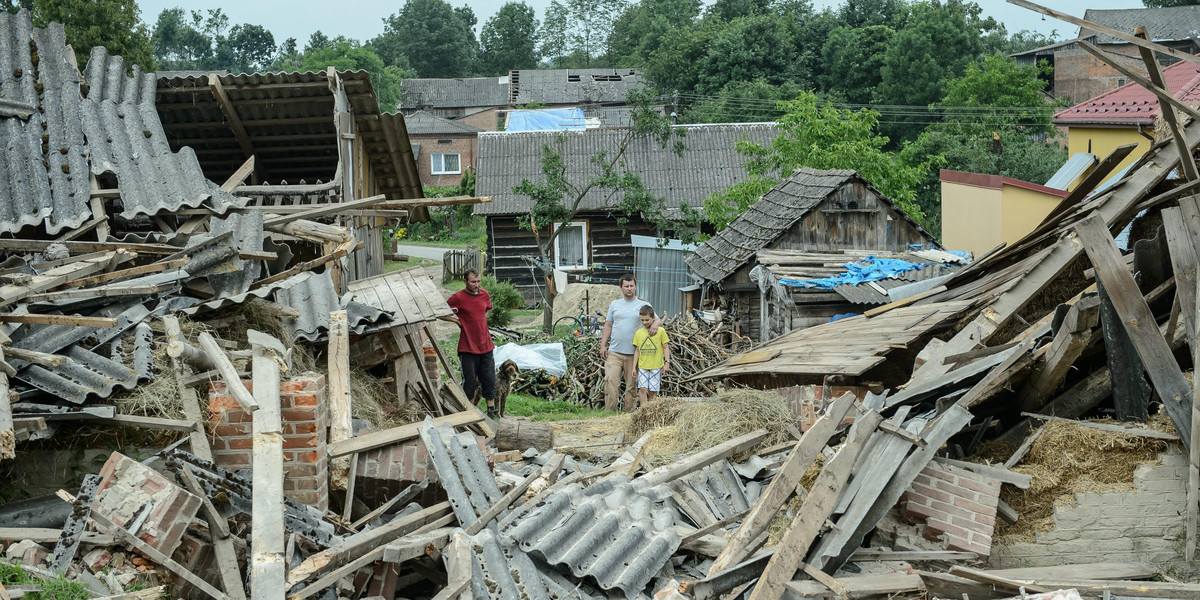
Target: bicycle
[(583, 324)]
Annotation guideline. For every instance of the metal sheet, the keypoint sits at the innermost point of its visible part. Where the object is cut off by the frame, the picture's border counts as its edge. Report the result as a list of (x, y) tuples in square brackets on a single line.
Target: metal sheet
[(313, 295), (462, 470)]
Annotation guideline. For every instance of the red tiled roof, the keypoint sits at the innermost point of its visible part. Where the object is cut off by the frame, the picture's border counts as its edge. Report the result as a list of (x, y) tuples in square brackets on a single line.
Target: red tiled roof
[(1132, 104)]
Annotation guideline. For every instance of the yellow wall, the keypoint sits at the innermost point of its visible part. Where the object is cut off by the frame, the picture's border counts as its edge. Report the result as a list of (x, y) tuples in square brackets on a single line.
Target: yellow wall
[(971, 218), (1104, 140), (979, 218)]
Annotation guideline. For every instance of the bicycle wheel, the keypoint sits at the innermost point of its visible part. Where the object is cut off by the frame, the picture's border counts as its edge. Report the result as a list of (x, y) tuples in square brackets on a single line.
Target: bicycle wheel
[(571, 324)]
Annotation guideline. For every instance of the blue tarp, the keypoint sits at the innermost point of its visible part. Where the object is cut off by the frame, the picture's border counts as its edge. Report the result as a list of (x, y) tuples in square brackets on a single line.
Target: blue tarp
[(557, 119), (868, 269)]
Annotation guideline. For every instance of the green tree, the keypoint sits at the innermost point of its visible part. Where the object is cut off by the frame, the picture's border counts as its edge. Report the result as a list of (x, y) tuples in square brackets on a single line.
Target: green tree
[(207, 42), (561, 191), (347, 55), (432, 36), (509, 40), (578, 29), (640, 29), (853, 14), (728, 10), (938, 40), (821, 136), (674, 65), (742, 102), (748, 49), (114, 24), (853, 59)]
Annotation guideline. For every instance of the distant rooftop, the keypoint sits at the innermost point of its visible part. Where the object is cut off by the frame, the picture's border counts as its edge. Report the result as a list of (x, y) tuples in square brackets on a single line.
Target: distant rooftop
[(547, 86), (1171, 23), (1131, 104), (423, 123)]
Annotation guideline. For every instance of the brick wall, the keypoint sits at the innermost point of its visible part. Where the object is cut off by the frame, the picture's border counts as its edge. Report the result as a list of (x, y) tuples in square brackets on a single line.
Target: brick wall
[(484, 119), (1144, 524), (127, 487), (384, 472), (305, 417), (431, 364), (1079, 76), (466, 145), (957, 507)]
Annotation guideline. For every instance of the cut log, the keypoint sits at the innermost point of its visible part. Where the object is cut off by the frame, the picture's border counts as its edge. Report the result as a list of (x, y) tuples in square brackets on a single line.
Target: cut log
[(520, 435)]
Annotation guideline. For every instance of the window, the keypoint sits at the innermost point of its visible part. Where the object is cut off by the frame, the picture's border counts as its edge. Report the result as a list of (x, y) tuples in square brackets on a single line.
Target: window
[(444, 164), (570, 247)]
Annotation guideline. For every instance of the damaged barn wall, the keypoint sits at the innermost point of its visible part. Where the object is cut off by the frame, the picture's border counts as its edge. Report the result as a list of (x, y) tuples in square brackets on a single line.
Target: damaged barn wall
[(1143, 525)]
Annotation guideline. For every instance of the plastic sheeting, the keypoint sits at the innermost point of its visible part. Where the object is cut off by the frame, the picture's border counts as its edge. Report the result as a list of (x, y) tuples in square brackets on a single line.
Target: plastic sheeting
[(556, 119), (868, 269), (546, 357)]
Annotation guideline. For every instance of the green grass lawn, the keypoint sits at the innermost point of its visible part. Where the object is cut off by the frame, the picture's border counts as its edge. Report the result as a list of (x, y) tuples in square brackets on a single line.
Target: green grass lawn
[(524, 405)]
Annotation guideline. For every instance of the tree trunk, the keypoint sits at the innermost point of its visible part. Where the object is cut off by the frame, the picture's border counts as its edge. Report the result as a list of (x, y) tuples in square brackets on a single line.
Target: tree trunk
[(521, 435)]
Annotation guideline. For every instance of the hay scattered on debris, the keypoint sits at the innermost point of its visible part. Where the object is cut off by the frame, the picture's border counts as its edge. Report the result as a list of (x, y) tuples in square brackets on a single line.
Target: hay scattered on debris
[(659, 412), (1069, 459), (729, 414)]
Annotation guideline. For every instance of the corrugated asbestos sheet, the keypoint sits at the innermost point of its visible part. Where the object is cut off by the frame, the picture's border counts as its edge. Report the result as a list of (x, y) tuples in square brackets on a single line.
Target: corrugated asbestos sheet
[(501, 571), (423, 123), (467, 92), (570, 86), (710, 163), (313, 295), (45, 179), (609, 531), (717, 488), (411, 296), (462, 469), (247, 235)]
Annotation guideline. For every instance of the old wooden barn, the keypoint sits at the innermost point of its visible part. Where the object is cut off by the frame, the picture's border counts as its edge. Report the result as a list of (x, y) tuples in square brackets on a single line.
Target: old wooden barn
[(808, 227)]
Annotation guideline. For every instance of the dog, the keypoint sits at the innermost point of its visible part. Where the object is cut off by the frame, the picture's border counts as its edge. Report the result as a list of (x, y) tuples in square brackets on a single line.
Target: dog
[(504, 380)]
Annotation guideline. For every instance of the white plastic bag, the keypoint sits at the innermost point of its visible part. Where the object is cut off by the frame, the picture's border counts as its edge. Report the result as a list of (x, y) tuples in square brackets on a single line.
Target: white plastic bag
[(546, 357)]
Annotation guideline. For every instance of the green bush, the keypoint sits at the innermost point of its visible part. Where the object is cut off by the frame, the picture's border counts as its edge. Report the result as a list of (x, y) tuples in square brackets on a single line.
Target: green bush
[(505, 299)]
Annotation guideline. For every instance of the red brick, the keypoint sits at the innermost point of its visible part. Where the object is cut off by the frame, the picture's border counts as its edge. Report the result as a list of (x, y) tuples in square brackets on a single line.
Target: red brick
[(974, 506), (987, 520), (228, 458), (304, 400), (240, 443), (302, 428), (298, 415), (960, 544), (290, 388), (954, 489), (937, 473), (929, 492), (304, 441), (972, 525), (917, 513), (985, 486), (231, 430), (947, 528), (300, 470), (924, 480), (308, 457), (217, 388), (220, 403), (949, 510)]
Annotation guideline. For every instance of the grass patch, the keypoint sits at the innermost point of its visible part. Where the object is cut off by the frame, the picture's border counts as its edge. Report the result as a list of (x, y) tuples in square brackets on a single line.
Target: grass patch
[(524, 405), (454, 285), (413, 261), (55, 589)]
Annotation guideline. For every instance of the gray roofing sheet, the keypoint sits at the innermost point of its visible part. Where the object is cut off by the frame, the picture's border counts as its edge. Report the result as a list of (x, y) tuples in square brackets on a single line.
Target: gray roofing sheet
[(410, 295), (615, 532), (85, 374), (454, 93), (1170, 23), (423, 123), (710, 163), (314, 296), (462, 470), (570, 86), (502, 571), (248, 237), (720, 487), (770, 217)]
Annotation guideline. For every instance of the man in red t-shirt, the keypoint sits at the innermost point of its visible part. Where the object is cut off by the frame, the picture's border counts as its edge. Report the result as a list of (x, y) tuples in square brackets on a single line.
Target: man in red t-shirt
[(471, 306)]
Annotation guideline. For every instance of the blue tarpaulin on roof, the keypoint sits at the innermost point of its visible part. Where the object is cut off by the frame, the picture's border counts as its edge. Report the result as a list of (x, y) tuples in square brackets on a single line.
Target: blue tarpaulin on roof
[(868, 269), (557, 119)]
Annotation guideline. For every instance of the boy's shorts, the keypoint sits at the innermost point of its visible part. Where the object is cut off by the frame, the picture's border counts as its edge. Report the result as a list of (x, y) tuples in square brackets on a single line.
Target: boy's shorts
[(650, 379)]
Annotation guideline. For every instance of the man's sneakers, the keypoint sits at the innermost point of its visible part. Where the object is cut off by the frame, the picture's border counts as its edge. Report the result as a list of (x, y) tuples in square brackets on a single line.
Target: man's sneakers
[(493, 414)]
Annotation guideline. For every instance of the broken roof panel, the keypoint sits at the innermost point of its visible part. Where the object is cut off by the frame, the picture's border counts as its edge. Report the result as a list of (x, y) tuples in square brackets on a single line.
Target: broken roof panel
[(314, 296), (465, 92), (409, 295), (570, 86), (709, 163)]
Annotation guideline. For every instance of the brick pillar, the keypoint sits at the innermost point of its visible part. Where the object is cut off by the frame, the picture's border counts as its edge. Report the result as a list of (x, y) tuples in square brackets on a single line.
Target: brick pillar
[(305, 417), (431, 363)]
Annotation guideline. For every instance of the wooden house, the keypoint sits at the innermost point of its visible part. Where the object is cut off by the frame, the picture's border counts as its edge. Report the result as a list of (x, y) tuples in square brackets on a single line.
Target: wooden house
[(807, 227), (598, 248)]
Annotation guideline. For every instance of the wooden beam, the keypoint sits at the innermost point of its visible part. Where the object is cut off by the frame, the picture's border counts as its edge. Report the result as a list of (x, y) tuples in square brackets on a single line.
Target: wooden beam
[(1193, 489), (184, 425), (36, 319), (395, 435), (1154, 70), (783, 485), (90, 225), (217, 523), (1164, 97), (154, 267), (33, 356), (340, 428), (96, 203), (231, 115), (1139, 323), (1120, 35), (228, 372), (341, 251), (322, 210), (810, 519), (1110, 428), (268, 571), (1073, 337), (78, 247), (113, 291), (158, 557), (13, 293), (695, 462)]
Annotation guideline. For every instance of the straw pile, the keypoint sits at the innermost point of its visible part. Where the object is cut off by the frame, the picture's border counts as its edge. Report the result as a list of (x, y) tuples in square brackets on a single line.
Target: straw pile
[(1068, 459), (701, 425)]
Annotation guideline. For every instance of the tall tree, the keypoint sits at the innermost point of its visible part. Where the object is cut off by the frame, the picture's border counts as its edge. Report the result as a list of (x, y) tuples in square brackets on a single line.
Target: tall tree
[(750, 48), (560, 192), (347, 55), (853, 14), (674, 65), (579, 29), (114, 24), (822, 136), (640, 29), (853, 59), (509, 40), (432, 35), (205, 41), (728, 10)]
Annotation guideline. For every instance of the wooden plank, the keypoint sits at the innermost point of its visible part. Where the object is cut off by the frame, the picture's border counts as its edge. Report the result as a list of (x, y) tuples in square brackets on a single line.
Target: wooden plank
[(1020, 480), (695, 462), (1073, 337), (158, 423), (784, 484), (229, 373), (395, 435), (340, 427), (337, 574), (1023, 449), (13, 293), (321, 210), (992, 578), (231, 115), (413, 546), (1133, 430), (38, 319), (46, 536), (217, 523), (101, 225), (268, 571), (77, 247), (1139, 323), (409, 493), (863, 586), (1193, 489), (868, 555), (158, 557), (154, 267), (1183, 262), (811, 517), (114, 291), (341, 251)]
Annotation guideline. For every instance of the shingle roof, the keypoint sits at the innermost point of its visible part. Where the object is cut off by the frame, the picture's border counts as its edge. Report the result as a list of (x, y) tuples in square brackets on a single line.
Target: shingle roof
[(453, 93), (1132, 104), (775, 213), (710, 163), (423, 123), (1171, 23)]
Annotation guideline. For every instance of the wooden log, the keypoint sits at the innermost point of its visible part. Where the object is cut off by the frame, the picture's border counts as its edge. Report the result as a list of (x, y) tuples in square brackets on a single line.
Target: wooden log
[(815, 511), (35, 357), (520, 435), (340, 428), (268, 571), (229, 373)]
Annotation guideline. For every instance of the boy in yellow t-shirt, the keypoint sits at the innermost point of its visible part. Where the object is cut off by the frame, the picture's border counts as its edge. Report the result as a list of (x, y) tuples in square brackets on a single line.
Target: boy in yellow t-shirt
[(651, 355)]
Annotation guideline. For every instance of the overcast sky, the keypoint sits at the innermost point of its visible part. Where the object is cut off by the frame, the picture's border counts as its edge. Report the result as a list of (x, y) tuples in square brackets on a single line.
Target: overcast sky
[(362, 19)]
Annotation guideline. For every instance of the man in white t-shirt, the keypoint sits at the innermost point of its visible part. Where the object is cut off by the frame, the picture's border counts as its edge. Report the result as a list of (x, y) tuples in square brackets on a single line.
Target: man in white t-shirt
[(616, 345)]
